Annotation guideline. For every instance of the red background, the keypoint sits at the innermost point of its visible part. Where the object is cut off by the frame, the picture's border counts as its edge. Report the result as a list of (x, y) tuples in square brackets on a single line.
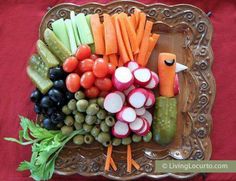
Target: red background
[(19, 22)]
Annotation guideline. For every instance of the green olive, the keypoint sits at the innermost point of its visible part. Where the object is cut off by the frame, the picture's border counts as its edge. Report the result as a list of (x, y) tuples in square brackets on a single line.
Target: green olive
[(66, 110), (91, 101), (74, 112), (66, 130), (126, 141), (69, 121), (79, 117), (78, 126), (147, 137), (107, 143), (72, 104), (98, 121), (78, 140), (116, 141), (95, 131), (88, 139), (101, 114), (104, 127), (92, 109), (82, 105), (87, 128), (90, 120), (79, 95), (100, 102), (103, 137), (136, 138), (110, 121), (59, 125)]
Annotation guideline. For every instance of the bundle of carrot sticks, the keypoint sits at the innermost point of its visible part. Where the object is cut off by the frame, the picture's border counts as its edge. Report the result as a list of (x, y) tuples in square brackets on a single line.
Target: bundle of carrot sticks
[(121, 38)]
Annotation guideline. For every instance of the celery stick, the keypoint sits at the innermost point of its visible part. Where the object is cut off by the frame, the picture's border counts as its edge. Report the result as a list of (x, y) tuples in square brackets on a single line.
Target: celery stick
[(92, 46), (59, 29), (70, 32), (84, 30), (88, 17), (74, 26)]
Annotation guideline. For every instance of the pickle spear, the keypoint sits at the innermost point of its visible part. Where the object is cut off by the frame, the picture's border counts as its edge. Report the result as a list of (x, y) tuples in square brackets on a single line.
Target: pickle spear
[(38, 65)]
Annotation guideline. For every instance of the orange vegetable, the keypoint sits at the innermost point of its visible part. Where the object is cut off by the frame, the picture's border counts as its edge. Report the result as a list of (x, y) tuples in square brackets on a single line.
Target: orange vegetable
[(106, 58), (132, 35), (133, 20), (144, 44), (166, 71), (120, 62), (151, 44), (98, 35), (109, 35), (113, 165), (121, 45), (108, 159), (140, 29), (135, 164), (113, 59), (129, 158), (137, 17)]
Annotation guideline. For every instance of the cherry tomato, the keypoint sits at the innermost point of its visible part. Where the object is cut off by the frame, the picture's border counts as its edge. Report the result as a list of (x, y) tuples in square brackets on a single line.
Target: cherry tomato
[(92, 92), (83, 52), (87, 80), (111, 69), (104, 84), (93, 56), (100, 68), (103, 94), (70, 64), (86, 65), (73, 82)]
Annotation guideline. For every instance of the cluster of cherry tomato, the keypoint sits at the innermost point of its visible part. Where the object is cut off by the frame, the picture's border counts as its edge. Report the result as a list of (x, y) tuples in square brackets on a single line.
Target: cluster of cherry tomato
[(89, 72)]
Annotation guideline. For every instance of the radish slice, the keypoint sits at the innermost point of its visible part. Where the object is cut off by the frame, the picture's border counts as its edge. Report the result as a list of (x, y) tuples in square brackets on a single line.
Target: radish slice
[(150, 100), (145, 129), (127, 114), (122, 78), (142, 76), (121, 95), (140, 111), (113, 102), (137, 125), (137, 97), (153, 82), (120, 129), (127, 91), (176, 85), (132, 65), (148, 116)]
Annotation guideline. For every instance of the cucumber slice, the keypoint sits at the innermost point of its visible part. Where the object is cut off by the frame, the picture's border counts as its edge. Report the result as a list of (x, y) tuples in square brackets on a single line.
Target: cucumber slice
[(92, 47), (43, 84), (59, 29), (84, 30), (38, 65), (70, 32), (49, 59), (55, 45), (75, 30)]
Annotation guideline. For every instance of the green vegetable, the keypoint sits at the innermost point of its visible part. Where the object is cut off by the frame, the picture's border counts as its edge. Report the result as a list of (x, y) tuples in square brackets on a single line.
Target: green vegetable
[(66, 110), (82, 105), (70, 31), (126, 141), (72, 104), (79, 95), (107, 143), (79, 117), (98, 121), (90, 119), (147, 137), (69, 121), (91, 101), (110, 121), (103, 137), (49, 59), (59, 28), (46, 146), (74, 26), (78, 139), (101, 114), (43, 84), (59, 125), (87, 128), (38, 65), (92, 109), (164, 125), (95, 131), (66, 130), (88, 139), (136, 138), (92, 47), (116, 141), (100, 102), (104, 127), (56, 46), (78, 125), (83, 28)]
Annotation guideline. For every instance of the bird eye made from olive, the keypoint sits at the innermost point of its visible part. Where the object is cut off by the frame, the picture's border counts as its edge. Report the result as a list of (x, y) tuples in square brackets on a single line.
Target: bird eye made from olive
[(169, 62)]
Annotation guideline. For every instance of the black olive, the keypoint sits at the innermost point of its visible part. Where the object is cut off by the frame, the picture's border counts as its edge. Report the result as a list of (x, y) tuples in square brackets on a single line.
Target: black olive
[(37, 109), (56, 73), (51, 111), (60, 85), (46, 102), (62, 102), (69, 95), (48, 124), (57, 117), (55, 95), (35, 96)]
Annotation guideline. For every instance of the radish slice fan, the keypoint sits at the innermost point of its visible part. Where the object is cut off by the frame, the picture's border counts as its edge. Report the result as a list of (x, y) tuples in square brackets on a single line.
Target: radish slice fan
[(137, 125), (122, 78), (127, 114), (120, 129), (148, 116), (142, 76), (113, 103), (137, 97)]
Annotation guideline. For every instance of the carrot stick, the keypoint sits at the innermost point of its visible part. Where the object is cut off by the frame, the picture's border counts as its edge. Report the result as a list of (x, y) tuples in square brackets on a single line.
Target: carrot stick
[(113, 59), (135, 164), (137, 17), (98, 35), (113, 165), (109, 35), (135, 57), (121, 18), (166, 74), (129, 158), (120, 62), (106, 58), (151, 44), (133, 20), (121, 45), (113, 18), (108, 159), (140, 29), (144, 43), (132, 35)]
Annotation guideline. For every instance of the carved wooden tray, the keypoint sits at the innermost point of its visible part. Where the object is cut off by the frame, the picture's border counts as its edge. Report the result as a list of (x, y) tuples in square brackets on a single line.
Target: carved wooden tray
[(186, 31)]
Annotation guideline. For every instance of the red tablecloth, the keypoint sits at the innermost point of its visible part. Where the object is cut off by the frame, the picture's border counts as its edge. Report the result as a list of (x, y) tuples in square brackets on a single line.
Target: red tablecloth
[(19, 22)]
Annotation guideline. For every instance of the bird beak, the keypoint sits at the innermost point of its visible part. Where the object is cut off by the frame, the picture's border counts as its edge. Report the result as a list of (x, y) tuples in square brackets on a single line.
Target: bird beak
[(180, 67)]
